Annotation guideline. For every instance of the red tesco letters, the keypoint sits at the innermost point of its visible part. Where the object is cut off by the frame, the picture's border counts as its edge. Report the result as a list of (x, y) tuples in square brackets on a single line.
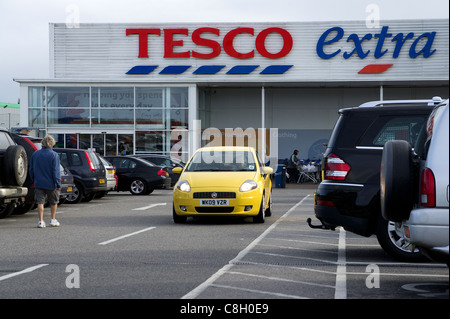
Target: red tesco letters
[(173, 38)]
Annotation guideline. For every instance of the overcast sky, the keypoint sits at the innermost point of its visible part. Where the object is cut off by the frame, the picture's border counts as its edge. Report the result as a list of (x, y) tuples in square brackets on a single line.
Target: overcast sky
[(24, 23)]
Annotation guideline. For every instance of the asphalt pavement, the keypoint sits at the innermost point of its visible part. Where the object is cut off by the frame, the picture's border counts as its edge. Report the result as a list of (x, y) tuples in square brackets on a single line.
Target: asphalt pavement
[(127, 247)]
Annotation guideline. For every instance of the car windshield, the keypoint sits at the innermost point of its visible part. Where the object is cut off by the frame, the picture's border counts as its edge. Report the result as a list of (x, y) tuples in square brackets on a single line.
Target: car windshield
[(228, 161)]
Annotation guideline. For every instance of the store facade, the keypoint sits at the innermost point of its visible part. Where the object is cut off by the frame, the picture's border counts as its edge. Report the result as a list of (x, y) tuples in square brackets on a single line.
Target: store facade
[(151, 88)]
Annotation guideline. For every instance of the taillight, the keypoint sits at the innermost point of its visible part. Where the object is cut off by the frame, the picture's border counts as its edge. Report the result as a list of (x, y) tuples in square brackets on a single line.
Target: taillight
[(427, 189), (91, 165), (162, 172), (31, 143), (335, 168)]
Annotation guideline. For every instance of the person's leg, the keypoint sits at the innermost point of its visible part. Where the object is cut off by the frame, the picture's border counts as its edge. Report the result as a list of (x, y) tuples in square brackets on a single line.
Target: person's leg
[(53, 210), (40, 200), (40, 209), (53, 200)]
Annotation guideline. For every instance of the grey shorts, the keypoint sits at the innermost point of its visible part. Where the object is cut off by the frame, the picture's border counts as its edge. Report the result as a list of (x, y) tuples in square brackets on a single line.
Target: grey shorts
[(52, 196)]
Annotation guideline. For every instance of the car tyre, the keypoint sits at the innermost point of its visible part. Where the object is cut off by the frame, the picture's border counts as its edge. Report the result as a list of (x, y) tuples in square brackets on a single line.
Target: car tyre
[(269, 209), (138, 187), (6, 210), (396, 181), (260, 218), (178, 219), (395, 244), (16, 165), (77, 194)]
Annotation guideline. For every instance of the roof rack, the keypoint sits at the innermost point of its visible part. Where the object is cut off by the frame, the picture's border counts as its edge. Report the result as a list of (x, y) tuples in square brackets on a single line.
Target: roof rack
[(434, 101)]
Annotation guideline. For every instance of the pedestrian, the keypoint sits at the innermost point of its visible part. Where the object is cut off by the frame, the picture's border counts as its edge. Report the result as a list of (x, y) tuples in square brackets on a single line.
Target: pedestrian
[(46, 176), (292, 167)]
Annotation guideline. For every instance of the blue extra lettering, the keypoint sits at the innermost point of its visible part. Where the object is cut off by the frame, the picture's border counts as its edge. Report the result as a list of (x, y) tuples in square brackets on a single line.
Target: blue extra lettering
[(323, 41), (427, 47), (335, 34)]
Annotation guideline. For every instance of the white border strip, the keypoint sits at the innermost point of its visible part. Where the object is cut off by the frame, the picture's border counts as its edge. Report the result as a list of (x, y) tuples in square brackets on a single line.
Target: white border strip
[(23, 271), (125, 236), (209, 282)]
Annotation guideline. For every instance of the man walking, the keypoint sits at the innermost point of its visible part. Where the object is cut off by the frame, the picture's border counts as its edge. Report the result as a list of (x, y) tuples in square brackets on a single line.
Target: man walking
[(46, 176)]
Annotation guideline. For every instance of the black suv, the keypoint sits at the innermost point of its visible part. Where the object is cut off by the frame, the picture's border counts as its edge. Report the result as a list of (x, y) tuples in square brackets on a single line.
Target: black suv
[(13, 173), (349, 195), (88, 173)]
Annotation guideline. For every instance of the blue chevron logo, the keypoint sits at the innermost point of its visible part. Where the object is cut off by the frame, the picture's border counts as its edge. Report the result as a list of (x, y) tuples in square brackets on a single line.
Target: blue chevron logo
[(208, 69)]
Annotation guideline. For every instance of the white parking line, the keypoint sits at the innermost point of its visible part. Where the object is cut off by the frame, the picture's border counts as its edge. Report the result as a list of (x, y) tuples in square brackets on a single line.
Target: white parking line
[(341, 272), (150, 206), (209, 282), (125, 236), (22, 272)]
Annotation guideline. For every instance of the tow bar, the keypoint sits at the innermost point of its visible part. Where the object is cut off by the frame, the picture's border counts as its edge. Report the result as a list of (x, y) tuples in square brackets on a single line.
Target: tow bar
[(325, 227)]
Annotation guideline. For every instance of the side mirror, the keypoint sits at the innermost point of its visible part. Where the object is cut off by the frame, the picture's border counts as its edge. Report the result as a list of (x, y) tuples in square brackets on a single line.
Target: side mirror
[(177, 170), (267, 170)]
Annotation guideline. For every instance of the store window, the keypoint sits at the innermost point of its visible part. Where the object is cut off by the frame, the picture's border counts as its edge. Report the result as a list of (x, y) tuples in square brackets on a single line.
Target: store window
[(68, 105), (112, 106), (150, 141), (36, 106)]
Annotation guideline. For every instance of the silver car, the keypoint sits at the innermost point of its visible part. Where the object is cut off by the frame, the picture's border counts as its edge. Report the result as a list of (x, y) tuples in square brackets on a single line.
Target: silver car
[(420, 206)]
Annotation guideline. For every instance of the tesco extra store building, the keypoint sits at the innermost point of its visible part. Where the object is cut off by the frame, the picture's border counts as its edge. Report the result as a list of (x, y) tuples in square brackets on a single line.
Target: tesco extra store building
[(143, 87)]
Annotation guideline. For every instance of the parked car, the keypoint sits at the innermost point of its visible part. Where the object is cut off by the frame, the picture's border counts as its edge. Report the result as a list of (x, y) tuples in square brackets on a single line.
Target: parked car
[(138, 176), (232, 182), (88, 172), (111, 178), (349, 194), (164, 160), (13, 173), (415, 185)]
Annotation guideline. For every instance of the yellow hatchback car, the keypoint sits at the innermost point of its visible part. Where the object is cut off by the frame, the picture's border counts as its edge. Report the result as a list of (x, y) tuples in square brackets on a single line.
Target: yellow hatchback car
[(224, 181)]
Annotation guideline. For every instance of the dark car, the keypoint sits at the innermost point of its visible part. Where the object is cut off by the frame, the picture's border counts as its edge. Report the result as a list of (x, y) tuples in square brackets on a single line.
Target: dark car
[(67, 184), (138, 176), (13, 173), (165, 161), (88, 173), (349, 194)]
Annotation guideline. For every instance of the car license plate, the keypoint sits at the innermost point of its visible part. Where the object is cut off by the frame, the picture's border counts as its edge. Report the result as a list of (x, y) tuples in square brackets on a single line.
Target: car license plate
[(101, 181), (214, 202)]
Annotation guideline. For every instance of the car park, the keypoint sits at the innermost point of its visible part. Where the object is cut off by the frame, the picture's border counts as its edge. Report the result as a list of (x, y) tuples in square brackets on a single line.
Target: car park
[(223, 181), (88, 172), (164, 160), (138, 176), (13, 173), (349, 194), (414, 184)]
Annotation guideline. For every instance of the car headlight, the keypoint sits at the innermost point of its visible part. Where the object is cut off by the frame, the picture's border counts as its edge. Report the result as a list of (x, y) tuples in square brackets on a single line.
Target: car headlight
[(248, 186), (184, 186)]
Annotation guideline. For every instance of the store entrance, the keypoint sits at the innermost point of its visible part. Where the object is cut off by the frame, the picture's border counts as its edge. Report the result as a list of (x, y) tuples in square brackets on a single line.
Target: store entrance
[(103, 143)]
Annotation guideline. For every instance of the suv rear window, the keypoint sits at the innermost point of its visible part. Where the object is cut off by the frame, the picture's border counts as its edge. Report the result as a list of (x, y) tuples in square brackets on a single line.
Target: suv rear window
[(387, 128)]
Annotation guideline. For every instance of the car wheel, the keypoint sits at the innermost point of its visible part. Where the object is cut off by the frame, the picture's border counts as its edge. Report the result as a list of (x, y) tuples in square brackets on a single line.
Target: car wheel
[(89, 197), (22, 209), (395, 244), (178, 219), (138, 187), (396, 181), (260, 218), (6, 210), (76, 196), (269, 209), (16, 165)]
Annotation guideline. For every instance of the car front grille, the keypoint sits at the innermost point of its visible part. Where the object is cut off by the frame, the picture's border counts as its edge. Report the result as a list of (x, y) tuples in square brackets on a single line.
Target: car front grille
[(211, 209), (218, 195)]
